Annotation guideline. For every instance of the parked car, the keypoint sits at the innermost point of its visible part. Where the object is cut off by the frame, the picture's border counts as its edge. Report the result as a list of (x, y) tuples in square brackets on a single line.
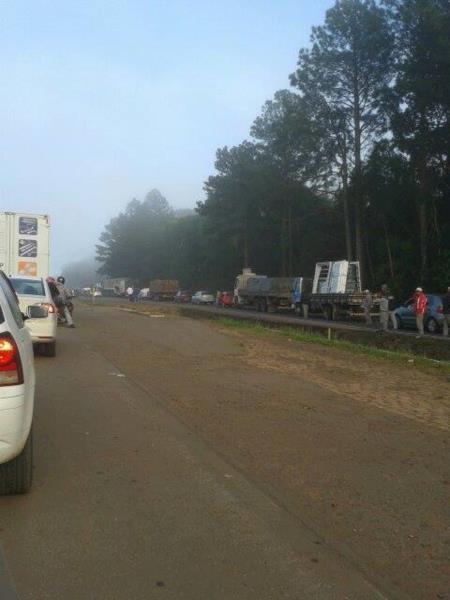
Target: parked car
[(34, 291), (225, 299), (433, 319), (202, 297), (17, 383), (182, 296)]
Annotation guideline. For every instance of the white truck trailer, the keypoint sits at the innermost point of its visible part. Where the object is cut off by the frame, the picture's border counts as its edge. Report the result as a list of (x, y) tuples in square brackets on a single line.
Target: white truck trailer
[(24, 244)]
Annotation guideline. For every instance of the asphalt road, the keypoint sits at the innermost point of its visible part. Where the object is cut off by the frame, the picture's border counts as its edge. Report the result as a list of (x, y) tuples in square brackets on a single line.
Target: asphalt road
[(129, 503)]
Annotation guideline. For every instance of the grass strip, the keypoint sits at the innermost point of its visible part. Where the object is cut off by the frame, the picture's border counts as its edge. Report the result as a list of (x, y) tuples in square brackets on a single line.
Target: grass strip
[(315, 338)]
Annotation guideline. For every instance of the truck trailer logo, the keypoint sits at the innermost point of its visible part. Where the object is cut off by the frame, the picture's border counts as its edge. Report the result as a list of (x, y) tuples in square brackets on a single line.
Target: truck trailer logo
[(26, 267), (28, 226), (28, 248)]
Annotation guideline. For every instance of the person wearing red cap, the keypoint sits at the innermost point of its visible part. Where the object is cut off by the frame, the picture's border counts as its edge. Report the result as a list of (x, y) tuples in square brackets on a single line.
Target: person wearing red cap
[(420, 307)]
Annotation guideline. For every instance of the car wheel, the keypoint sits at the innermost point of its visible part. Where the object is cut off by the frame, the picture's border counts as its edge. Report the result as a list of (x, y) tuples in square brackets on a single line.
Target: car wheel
[(17, 474), (432, 325), (399, 322), (48, 349)]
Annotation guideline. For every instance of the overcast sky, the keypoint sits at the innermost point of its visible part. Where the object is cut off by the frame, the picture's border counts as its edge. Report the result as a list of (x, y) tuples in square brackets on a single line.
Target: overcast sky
[(102, 101)]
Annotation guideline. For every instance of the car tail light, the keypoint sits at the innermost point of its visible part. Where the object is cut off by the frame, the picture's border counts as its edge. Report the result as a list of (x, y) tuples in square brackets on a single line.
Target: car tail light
[(10, 364), (440, 309), (50, 307)]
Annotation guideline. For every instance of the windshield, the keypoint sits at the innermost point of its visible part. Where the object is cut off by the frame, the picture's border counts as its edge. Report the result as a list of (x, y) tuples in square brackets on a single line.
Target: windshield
[(31, 287)]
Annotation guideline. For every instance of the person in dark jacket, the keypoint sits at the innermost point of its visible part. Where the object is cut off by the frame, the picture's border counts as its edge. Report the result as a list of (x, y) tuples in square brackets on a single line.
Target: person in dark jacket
[(446, 310)]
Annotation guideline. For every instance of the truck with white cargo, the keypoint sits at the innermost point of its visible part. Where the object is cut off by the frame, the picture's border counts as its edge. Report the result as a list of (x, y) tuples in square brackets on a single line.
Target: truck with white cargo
[(336, 292), (24, 244)]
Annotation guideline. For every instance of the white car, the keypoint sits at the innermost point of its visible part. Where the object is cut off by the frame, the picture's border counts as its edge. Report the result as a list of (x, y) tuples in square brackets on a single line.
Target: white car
[(33, 291), (203, 298), (17, 382)]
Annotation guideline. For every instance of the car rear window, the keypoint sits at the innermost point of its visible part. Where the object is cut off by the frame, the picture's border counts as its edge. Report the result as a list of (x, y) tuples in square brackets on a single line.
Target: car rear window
[(30, 287)]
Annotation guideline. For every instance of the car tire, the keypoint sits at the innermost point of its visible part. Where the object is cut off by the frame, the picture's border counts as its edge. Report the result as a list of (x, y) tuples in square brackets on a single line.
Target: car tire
[(48, 349), (399, 322), (432, 325), (16, 476)]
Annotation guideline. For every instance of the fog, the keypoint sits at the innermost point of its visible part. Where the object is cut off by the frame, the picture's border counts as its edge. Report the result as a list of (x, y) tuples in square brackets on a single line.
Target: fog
[(102, 101)]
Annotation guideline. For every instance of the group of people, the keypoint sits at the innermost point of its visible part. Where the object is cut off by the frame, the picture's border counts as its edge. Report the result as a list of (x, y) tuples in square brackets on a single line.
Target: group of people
[(61, 297), (419, 307)]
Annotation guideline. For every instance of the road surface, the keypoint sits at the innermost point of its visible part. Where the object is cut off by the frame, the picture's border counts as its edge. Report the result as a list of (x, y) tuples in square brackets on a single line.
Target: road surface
[(132, 500)]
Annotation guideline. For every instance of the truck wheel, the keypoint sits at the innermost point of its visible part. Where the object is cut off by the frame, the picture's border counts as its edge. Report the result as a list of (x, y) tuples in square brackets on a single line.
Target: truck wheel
[(16, 475)]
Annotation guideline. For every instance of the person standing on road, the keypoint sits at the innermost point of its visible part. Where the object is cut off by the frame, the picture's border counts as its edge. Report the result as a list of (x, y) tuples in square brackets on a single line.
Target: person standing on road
[(65, 296), (367, 305), (130, 293), (446, 311), (420, 307), (385, 291), (384, 312)]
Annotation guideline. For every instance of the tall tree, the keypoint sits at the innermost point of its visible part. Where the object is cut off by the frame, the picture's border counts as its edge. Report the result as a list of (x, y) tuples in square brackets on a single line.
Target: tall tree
[(285, 134), (233, 195), (419, 103), (344, 73)]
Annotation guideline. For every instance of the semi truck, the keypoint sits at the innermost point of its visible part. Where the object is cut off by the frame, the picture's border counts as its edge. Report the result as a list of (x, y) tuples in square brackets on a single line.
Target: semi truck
[(163, 289), (24, 244)]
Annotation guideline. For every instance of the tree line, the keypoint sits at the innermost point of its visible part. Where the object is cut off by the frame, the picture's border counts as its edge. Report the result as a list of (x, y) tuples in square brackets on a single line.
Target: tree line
[(351, 162)]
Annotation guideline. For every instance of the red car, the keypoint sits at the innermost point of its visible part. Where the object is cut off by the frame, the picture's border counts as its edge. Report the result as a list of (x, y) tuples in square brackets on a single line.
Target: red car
[(225, 299)]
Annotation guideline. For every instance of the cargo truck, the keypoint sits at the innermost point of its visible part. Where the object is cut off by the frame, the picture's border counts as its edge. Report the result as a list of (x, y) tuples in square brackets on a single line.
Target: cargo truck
[(24, 244), (163, 289), (268, 294), (336, 291)]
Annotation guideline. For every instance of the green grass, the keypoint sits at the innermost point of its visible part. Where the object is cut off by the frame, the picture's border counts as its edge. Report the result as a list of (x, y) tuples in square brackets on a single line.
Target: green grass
[(355, 348)]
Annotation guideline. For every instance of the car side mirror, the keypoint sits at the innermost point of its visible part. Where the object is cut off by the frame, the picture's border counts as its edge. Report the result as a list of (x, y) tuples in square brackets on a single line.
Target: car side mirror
[(37, 312)]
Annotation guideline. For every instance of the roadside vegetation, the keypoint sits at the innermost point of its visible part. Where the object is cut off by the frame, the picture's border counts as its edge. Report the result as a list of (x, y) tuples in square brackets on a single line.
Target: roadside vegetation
[(296, 335)]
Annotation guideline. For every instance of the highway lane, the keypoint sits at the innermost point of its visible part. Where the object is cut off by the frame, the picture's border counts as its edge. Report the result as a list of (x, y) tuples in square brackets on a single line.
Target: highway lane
[(130, 503), (286, 317)]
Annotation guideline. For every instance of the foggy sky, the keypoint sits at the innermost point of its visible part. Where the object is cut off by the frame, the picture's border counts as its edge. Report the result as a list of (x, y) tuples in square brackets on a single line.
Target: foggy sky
[(102, 101)]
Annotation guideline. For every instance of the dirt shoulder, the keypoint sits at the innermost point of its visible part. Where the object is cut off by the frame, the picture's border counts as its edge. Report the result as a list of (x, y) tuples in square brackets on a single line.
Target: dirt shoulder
[(356, 447)]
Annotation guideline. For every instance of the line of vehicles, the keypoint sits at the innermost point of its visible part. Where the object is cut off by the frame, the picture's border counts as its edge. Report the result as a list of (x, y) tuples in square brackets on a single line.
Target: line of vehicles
[(334, 293)]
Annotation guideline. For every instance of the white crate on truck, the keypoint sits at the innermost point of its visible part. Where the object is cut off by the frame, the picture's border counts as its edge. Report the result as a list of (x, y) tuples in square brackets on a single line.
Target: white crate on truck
[(24, 244), (338, 277)]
